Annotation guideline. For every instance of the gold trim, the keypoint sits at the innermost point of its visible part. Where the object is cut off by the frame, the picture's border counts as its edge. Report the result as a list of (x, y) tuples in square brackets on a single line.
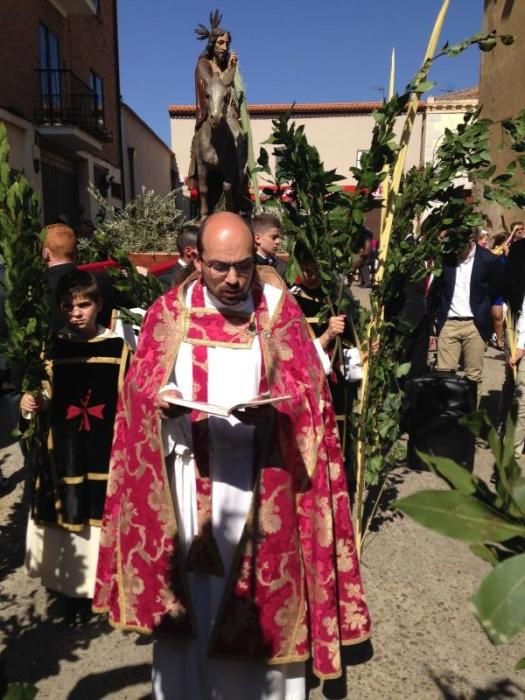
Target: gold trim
[(302, 607), (312, 319), (120, 574), (113, 322), (90, 476), (267, 275), (72, 480), (221, 344), (354, 642), (124, 627), (124, 365)]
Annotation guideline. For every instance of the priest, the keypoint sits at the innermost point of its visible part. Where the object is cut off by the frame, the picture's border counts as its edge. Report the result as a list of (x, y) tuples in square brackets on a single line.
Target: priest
[(230, 539)]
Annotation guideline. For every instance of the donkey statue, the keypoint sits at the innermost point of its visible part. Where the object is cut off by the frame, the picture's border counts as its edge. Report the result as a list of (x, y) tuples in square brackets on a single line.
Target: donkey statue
[(219, 150)]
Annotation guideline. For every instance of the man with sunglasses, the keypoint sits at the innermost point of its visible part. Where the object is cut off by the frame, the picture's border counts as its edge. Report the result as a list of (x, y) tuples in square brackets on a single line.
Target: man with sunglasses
[(230, 538)]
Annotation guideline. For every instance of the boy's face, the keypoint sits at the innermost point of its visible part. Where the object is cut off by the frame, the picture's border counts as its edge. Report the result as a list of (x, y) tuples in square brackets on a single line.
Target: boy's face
[(80, 314), (310, 276), (268, 241)]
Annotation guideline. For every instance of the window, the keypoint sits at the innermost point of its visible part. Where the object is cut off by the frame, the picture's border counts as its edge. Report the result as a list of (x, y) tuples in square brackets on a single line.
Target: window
[(97, 85), (50, 84), (359, 155)]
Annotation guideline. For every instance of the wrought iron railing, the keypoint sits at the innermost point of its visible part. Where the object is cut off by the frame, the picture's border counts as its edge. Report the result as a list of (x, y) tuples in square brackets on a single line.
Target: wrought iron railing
[(65, 99)]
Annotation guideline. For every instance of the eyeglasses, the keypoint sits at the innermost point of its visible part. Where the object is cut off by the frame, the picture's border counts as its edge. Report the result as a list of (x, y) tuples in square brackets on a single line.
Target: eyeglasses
[(219, 268)]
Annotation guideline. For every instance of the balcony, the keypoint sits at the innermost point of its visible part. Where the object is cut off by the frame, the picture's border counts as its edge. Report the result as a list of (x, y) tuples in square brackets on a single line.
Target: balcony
[(70, 112), (76, 7)]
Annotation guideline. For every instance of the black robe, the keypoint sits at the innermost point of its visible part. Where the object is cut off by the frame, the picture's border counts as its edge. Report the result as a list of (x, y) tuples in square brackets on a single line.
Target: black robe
[(71, 478)]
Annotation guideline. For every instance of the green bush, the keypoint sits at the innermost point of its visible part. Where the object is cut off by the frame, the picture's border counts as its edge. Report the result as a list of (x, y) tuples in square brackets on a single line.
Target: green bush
[(150, 222)]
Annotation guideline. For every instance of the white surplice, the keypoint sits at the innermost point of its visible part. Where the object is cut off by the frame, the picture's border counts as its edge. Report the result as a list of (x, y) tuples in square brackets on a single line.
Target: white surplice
[(182, 668)]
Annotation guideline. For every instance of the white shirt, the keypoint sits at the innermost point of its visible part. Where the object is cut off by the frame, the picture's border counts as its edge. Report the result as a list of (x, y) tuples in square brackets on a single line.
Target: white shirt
[(460, 304), (520, 327)]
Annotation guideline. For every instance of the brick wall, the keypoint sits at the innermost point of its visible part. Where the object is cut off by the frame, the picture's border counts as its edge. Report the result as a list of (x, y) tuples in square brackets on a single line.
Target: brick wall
[(86, 43), (91, 48)]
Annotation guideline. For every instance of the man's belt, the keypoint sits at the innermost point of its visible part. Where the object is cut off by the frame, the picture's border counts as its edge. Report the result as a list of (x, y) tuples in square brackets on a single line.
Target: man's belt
[(460, 318)]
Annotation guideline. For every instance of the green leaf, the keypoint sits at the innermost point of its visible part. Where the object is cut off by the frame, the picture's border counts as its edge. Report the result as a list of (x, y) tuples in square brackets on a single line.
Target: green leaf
[(518, 493), (20, 691), (459, 516), (403, 370), (424, 86), (487, 44), (485, 553), (499, 602), (520, 666), (454, 473)]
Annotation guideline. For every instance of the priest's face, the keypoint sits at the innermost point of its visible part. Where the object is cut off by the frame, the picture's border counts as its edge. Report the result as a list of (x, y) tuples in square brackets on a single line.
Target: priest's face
[(226, 259)]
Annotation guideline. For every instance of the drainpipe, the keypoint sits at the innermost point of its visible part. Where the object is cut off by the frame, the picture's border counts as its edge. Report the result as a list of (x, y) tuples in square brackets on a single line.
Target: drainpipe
[(119, 102)]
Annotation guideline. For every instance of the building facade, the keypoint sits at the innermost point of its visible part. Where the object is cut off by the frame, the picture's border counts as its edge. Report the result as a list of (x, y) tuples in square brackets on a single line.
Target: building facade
[(341, 132), (148, 162), (502, 91), (60, 101)]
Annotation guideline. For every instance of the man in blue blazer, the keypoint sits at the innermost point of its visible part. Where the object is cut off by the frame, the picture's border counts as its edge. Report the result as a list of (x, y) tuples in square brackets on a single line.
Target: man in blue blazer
[(470, 281)]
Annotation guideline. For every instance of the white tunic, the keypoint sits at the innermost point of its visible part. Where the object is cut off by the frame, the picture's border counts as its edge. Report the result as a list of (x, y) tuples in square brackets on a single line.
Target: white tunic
[(182, 668)]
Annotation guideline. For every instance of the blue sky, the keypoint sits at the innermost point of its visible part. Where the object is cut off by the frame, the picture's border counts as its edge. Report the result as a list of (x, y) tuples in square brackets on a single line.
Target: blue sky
[(292, 50)]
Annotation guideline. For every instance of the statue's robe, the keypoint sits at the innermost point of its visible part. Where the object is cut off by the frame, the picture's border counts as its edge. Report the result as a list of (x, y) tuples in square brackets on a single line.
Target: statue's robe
[(70, 476), (292, 588)]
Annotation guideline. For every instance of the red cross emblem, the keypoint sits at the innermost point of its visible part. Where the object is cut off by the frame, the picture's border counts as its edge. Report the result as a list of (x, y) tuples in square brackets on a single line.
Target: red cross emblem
[(85, 410)]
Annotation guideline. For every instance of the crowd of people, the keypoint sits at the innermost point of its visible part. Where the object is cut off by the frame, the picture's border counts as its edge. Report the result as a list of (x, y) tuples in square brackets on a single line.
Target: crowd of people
[(226, 532)]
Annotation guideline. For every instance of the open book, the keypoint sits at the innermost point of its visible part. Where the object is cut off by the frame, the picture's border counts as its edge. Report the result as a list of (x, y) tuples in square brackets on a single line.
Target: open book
[(225, 411)]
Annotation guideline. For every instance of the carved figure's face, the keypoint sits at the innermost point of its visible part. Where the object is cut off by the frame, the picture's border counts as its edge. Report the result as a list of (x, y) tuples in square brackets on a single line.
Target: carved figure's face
[(222, 47)]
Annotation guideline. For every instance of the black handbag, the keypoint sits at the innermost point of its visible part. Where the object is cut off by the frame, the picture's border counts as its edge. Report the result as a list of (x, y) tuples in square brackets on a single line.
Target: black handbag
[(436, 402)]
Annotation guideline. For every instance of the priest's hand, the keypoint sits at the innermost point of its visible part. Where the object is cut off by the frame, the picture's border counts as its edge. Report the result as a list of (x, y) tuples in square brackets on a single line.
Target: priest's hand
[(169, 410)]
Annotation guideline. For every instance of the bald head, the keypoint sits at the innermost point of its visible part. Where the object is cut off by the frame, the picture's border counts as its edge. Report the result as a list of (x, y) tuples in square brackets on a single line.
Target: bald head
[(224, 228), (226, 257)]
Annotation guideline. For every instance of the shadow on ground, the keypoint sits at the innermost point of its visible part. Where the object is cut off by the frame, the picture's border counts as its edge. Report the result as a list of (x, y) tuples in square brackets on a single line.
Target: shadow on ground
[(98, 685), (34, 643), (337, 689), (379, 500), (13, 528), (448, 684), (491, 403)]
